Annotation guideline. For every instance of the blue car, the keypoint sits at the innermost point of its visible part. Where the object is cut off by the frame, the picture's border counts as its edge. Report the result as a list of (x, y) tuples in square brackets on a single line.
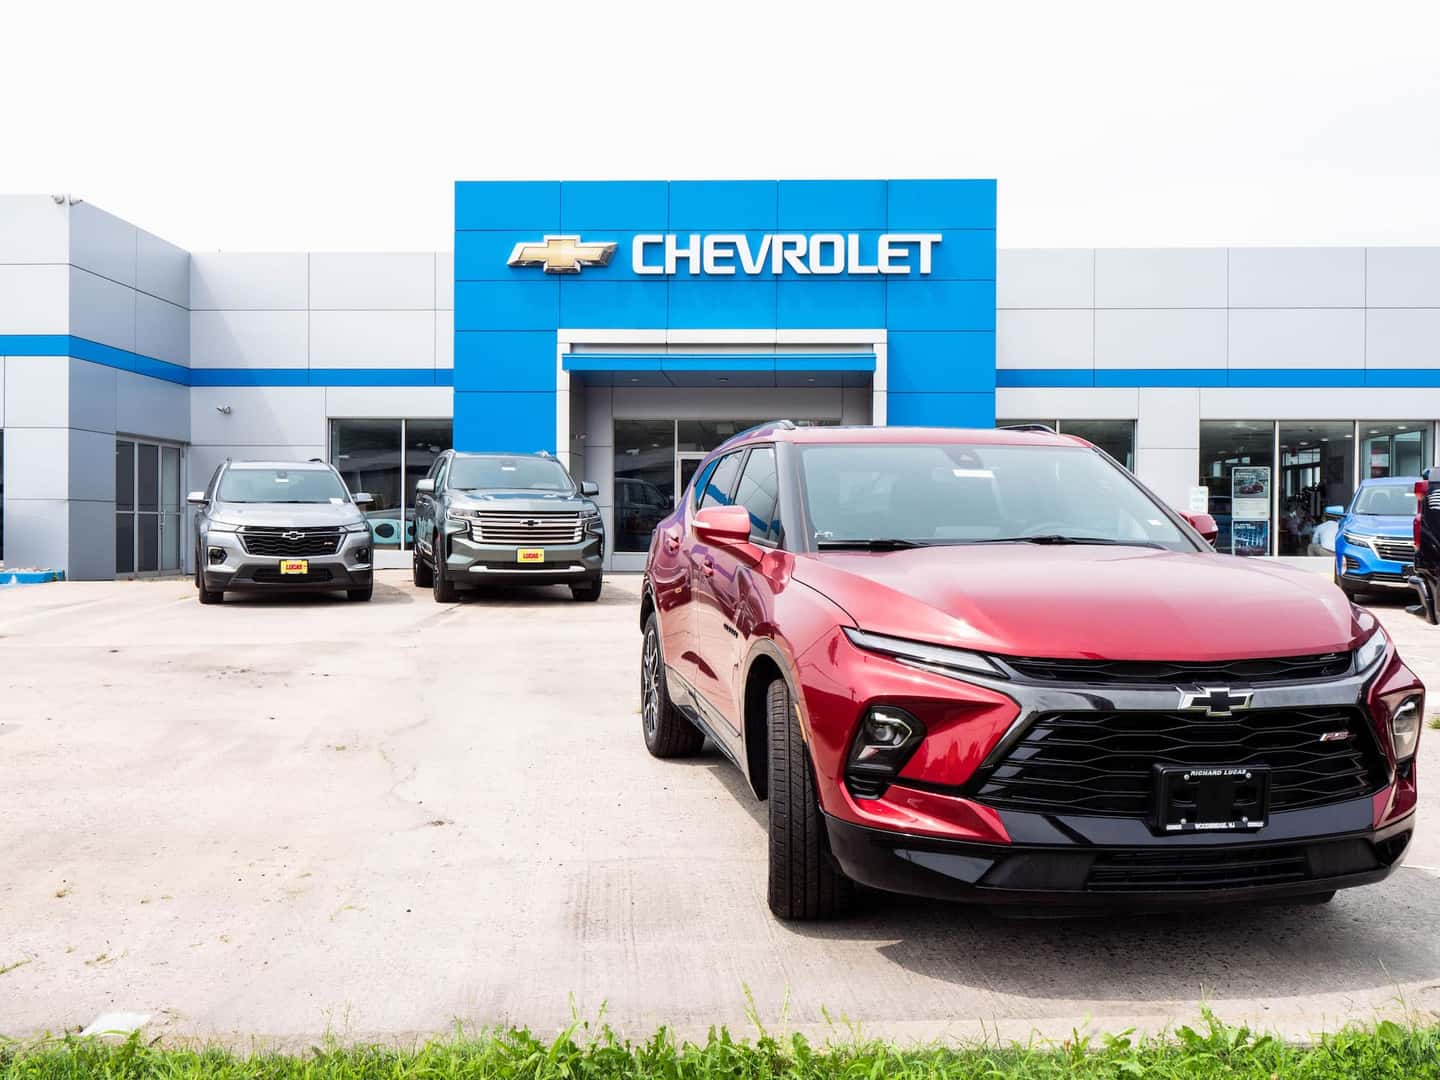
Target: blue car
[(1375, 545)]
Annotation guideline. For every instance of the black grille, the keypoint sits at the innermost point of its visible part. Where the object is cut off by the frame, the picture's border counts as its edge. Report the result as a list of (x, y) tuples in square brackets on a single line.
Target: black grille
[(1101, 763), (291, 543), (1352, 563), (1196, 868), (272, 575), (1274, 669)]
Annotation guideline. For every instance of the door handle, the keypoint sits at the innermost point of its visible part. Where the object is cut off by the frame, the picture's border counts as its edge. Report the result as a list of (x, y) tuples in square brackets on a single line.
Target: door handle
[(672, 541), (708, 567)]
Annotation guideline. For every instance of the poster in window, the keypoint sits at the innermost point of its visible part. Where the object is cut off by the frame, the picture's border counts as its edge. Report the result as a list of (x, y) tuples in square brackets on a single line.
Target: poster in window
[(1250, 493), (1250, 537)]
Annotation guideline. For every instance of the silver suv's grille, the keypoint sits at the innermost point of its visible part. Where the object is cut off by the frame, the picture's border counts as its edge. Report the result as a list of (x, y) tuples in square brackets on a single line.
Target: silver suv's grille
[(526, 527), (290, 543), (1394, 549)]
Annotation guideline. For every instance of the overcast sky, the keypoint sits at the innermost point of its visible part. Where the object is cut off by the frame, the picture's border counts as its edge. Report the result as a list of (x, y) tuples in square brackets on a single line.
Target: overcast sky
[(307, 125)]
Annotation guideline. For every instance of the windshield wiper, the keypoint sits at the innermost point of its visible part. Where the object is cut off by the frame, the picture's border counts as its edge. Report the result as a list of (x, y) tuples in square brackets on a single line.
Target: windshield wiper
[(877, 544), (1061, 538)]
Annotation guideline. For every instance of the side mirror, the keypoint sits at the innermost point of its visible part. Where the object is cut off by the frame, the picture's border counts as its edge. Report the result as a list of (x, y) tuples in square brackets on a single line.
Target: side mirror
[(196, 498), (1205, 525), (589, 488), (362, 498), (723, 524), (1334, 513), (425, 486)]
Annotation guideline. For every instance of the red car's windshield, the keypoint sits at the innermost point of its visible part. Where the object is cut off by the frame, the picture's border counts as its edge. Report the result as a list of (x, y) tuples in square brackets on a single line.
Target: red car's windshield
[(957, 494)]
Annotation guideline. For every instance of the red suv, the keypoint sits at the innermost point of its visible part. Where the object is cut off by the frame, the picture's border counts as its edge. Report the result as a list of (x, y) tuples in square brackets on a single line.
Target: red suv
[(992, 666)]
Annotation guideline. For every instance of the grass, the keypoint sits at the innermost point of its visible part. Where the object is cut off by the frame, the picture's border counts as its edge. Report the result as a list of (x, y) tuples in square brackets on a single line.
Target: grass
[(1217, 1049)]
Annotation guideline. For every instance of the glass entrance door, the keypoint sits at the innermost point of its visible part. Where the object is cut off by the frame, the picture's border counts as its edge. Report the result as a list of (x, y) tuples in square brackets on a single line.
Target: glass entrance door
[(686, 463), (149, 525)]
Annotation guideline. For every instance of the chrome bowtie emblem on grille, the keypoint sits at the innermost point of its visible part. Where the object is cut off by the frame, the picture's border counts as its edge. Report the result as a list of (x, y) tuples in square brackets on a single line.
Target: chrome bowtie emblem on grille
[(562, 254), (531, 522), (1215, 700), (293, 534)]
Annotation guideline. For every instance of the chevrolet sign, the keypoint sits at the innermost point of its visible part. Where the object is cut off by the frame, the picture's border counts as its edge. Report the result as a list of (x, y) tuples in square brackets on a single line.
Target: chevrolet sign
[(727, 254)]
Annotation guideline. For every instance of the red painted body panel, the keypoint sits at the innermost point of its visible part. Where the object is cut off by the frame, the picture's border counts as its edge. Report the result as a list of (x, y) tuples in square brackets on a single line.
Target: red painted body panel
[(724, 606)]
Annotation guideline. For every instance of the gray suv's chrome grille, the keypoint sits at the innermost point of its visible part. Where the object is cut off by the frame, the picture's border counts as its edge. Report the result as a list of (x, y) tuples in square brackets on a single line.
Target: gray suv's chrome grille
[(290, 543), (525, 527)]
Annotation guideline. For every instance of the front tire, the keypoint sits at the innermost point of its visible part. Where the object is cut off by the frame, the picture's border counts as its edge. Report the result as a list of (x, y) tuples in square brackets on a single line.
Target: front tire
[(420, 572), (590, 590), (440, 583), (667, 733), (361, 595), (804, 881), (206, 596)]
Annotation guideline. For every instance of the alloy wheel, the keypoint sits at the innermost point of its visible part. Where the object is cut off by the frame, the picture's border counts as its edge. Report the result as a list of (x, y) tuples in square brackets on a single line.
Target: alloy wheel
[(650, 684)]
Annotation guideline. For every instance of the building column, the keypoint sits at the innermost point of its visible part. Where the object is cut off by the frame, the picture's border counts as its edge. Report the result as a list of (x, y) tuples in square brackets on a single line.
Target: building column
[(1167, 442)]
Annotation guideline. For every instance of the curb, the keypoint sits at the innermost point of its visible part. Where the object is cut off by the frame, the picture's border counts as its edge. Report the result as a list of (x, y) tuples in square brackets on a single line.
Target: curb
[(30, 577)]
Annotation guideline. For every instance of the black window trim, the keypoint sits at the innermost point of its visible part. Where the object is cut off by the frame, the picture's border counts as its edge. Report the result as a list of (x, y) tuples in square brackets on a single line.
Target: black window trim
[(776, 544)]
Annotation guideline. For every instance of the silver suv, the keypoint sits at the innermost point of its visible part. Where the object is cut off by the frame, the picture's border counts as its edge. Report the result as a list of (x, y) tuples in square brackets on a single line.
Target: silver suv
[(506, 519), (281, 526)]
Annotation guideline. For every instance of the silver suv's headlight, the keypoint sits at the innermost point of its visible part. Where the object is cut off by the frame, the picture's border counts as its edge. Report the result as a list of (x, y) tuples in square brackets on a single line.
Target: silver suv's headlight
[(941, 659), (221, 526), (356, 526), (1370, 653)]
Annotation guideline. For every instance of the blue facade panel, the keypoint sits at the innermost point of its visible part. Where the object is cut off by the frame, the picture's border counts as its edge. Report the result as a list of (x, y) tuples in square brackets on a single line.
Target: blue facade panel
[(713, 205), (639, 205), (915, 258)]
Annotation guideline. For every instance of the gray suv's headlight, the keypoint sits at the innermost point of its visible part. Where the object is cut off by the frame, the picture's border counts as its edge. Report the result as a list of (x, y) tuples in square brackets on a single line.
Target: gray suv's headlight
[(356, 527), (593, 522), (221, 526)]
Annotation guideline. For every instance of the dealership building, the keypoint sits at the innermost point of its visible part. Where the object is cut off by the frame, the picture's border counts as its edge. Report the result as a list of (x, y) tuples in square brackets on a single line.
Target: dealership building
[(629, 327)]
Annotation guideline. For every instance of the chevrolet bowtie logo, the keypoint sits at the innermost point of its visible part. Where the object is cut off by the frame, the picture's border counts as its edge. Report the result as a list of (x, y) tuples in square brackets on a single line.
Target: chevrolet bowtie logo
[(562, 254), (1216, 701)]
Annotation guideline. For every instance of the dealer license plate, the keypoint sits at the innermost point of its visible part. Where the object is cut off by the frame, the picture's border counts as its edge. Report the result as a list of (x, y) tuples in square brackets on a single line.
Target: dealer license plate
[(530, 555), (294, 566), (1211, 798)]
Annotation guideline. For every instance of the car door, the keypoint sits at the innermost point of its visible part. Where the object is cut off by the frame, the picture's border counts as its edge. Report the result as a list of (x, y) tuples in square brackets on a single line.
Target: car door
[(426, 504), (715, 568)]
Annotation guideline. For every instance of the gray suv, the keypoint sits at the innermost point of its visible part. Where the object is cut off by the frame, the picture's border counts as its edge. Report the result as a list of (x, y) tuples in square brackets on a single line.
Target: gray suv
[(282, 526), (506, 519)]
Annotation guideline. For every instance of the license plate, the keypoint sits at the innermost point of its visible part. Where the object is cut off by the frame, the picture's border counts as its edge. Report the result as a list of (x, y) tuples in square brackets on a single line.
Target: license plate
[(1211, 798), (530, 555), (294, 566)]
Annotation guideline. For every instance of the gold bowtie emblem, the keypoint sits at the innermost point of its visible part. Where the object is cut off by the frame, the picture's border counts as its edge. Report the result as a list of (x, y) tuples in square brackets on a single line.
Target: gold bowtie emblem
[(562, 254)]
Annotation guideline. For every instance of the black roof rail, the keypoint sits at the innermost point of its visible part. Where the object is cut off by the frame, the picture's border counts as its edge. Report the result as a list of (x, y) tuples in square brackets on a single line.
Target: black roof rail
[(1028, 427)]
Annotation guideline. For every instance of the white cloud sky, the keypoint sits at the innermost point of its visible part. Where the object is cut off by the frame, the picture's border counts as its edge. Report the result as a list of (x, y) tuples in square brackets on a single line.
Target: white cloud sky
[(323, 125)]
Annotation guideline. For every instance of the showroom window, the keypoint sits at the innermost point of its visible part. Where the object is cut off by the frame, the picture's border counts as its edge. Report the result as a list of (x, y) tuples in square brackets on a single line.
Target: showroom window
[(386, 458), (1395, 449), (1115, 437), (1317, 469), (1237, 458)]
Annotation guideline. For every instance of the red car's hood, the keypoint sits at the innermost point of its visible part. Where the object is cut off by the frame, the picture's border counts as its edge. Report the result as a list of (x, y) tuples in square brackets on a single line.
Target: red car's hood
[(1113, 603)]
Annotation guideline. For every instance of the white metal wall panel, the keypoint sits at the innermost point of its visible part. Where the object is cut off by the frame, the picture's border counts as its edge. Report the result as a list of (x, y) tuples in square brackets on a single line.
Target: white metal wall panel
[(1045, 338), (249, 339), (372, 282), (249, 282), (1160, 277), (1166, 338), (1317, 338), (1044, 278), (1297, 277)]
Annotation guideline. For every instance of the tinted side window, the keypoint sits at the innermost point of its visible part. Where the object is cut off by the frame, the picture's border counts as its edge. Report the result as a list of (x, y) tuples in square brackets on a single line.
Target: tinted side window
[(756, 492), (702, 480), (720, 491), (439, 470)]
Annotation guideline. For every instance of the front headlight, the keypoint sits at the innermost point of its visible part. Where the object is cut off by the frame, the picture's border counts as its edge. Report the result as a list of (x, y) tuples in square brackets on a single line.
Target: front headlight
[(356, 527), (1357, 539), (1370, 653), (461, 517), (592, 522), (221, 526), (1405, 726), (941, 659)]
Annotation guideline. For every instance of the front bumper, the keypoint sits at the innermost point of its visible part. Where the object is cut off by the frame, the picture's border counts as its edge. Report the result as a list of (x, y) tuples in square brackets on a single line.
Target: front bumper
[(472, 563), (1361, 567), (349, 568), (1172, 871)]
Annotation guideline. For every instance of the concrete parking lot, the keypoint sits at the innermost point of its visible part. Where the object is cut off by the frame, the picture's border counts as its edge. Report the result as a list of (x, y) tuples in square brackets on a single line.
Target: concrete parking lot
[(279, 819)]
